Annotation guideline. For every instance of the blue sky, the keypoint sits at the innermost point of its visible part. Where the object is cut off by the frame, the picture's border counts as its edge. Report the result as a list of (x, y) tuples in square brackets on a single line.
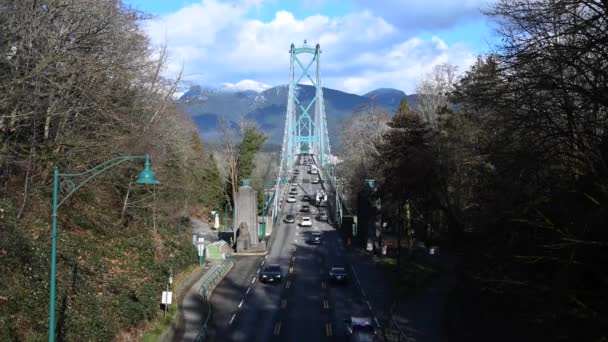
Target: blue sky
[(366, 44)]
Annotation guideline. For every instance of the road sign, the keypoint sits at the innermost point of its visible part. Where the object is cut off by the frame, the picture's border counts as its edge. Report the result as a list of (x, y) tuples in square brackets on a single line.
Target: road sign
[(166, 297)]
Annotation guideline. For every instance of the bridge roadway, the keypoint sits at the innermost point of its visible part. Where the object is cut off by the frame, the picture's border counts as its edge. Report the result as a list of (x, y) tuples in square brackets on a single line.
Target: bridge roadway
[(304, 306)]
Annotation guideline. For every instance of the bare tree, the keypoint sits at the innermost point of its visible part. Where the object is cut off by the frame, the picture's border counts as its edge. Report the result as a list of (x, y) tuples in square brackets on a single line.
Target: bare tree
[(433, 91)]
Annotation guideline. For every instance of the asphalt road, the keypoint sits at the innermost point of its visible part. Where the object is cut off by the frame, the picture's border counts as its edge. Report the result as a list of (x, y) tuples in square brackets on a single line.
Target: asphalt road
[(304, 306)]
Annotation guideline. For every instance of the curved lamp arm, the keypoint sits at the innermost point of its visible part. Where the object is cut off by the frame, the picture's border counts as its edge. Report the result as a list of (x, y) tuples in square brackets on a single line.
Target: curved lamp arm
[(94, 172)]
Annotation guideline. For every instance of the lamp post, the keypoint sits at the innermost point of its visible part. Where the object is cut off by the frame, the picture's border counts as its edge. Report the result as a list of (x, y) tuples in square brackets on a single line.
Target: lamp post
[(146, 176)]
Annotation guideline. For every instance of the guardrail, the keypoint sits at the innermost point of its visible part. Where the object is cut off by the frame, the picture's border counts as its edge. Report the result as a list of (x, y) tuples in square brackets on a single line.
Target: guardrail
[(210, 280)]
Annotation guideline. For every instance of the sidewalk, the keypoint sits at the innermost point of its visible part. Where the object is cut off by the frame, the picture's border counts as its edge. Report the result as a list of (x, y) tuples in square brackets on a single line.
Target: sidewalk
[(192, 313)]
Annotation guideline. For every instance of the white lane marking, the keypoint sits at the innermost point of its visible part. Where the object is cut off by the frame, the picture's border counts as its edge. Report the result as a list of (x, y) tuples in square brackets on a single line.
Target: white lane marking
[(363, 292), (258, 272), (253, 280), (376, 320), (266, 257), (263, 261), (369, 305), (232, 319), (248, 289), (241, 303)]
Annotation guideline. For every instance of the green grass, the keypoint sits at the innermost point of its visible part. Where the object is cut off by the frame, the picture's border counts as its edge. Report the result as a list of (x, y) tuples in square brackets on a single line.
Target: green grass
[(160, 325)]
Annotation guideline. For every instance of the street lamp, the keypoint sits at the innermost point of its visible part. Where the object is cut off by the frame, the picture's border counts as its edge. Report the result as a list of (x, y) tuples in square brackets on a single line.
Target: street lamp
[(146, 176)]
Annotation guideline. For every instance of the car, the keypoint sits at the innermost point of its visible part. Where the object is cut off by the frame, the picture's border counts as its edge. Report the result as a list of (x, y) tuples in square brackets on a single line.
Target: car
[(315, 180), (290, 218), (296, 171), (305, 198), (360, 329), (305, 208), (337, 274), (291, 199), (322, 216), (271, 273), (315, 238), (293, 191), (305, 221)]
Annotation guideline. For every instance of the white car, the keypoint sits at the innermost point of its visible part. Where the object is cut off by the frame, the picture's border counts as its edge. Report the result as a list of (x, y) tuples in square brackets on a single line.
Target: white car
[(306, 222), (291, 199)]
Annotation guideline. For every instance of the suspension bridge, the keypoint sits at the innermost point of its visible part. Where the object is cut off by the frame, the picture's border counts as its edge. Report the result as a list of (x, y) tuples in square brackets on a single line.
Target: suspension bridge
[(303, 305), (306, 131)]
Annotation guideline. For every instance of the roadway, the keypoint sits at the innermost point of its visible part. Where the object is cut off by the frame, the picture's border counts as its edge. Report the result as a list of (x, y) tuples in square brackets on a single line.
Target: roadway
[(304, 306)]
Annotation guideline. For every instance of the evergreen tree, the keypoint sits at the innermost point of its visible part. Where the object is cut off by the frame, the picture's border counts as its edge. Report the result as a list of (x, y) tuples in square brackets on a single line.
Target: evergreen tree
[(213, 194), (250, 146)]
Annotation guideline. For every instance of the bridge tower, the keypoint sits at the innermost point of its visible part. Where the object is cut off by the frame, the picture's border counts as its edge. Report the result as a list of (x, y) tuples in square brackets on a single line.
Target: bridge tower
[(305, 121)]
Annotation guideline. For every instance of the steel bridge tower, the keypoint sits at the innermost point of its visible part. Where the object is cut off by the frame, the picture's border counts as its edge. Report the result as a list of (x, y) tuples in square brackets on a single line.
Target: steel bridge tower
[(305, 123)]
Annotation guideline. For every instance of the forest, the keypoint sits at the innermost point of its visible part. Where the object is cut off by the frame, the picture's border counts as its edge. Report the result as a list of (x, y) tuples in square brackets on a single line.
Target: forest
[(505, 166)]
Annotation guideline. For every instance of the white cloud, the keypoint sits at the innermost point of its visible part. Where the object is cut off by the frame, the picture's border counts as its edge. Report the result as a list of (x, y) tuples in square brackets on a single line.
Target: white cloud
[(246, 85), (218, 44), (403, 64), (425, 14)]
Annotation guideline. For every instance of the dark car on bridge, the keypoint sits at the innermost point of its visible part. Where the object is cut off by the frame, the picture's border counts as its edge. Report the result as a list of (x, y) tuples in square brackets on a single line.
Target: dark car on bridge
[(360, 329), (337, 274), (305, 208), (322, 216), (315, 238), (271, 273), (305, 198), (290, 218)]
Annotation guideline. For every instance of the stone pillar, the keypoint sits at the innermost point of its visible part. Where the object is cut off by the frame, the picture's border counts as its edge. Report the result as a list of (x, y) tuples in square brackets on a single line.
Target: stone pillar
[(247, 211)]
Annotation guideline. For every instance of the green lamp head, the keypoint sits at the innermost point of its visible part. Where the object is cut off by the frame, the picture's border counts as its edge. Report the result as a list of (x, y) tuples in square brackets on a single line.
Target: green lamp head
[(147, 176)]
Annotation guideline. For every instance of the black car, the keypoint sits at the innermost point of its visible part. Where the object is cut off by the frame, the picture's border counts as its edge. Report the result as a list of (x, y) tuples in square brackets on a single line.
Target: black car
[(360, 329), (322, 216), (305, 198), (305, 208), (290, 218), (315, 239), (338, 274), (271, 273)]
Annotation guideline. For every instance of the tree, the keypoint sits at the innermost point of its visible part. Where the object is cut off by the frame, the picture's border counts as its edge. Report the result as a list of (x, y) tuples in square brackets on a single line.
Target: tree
[(213, 195), (239, 157), (433, 91), (361, 135), (249, 147)]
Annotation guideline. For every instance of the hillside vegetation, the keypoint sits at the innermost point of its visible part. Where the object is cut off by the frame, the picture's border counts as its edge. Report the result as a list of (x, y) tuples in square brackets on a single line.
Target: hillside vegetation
[(80, 84)]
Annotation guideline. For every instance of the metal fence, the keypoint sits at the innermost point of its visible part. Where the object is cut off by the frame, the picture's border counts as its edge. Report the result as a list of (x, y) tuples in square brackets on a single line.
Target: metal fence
[(210, 280)]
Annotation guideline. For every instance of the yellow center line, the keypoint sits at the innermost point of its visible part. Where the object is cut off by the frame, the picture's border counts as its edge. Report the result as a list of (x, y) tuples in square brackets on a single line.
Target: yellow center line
[(283, 303), (323, 284), (328, 329), (290, 269), (277, 328), (325, 304), (287, 284), (293, 259)]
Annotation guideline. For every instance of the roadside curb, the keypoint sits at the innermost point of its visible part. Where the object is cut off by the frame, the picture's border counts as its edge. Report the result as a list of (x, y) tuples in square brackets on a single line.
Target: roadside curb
[(250, 253)]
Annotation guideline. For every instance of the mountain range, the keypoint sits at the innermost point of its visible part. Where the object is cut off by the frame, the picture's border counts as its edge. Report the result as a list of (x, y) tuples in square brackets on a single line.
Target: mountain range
[(267, 108)]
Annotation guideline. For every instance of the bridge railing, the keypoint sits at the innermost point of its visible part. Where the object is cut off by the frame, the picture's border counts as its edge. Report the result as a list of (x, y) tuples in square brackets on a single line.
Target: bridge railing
[(210, 280)]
